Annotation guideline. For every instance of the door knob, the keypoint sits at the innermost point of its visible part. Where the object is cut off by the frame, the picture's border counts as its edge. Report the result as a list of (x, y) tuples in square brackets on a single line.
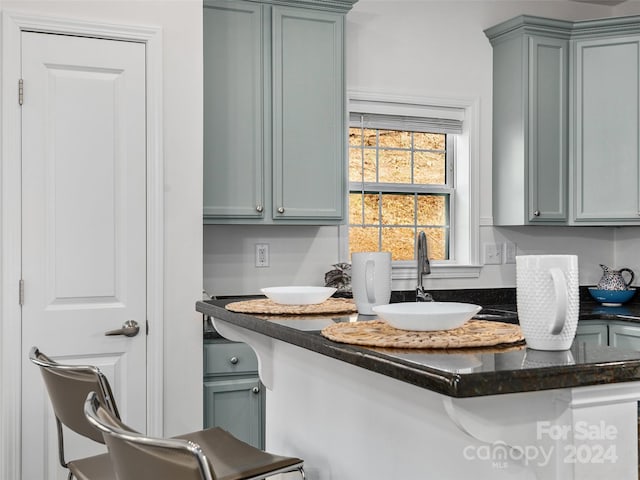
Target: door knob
[(130, 328)]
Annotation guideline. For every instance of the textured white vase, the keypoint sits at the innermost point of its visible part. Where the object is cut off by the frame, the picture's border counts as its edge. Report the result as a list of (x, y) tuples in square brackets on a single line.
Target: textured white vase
[(370, 280), (548, 300)]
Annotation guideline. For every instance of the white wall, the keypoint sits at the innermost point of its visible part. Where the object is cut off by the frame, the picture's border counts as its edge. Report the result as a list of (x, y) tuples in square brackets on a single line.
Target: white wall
[(627, 252), (419, 48), (181, 22)]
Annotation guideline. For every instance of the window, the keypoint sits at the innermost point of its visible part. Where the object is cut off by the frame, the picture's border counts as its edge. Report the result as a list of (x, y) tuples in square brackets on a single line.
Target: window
[(400, 182), (410, 171)]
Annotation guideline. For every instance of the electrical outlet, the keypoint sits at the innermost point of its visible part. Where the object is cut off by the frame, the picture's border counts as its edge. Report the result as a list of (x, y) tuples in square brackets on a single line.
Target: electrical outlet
[(492, 254), (510, 252), (262, 255)]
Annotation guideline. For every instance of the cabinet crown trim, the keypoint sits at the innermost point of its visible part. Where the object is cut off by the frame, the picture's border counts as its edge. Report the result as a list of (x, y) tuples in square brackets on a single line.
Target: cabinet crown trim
[(341, 6), (563, 28)]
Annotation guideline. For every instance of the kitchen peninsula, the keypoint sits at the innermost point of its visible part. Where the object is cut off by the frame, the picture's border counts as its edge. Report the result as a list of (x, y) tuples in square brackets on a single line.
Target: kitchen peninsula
[(362, 413)]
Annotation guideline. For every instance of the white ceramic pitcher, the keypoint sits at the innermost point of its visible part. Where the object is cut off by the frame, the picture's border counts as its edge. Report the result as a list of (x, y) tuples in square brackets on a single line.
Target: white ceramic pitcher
[(548, 301), (370, 280)]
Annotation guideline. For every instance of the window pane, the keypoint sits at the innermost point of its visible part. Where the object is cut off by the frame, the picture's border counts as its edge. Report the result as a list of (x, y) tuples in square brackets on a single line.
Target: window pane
[(395, 166), (363, 239), (370, 137), (355, 208), (437, 243), (355, 136), (371, 208), (400, 241), (395, 139), (369, 165), (429, 141), (429, 168), (355, 164), (398, 209), (432, 210)]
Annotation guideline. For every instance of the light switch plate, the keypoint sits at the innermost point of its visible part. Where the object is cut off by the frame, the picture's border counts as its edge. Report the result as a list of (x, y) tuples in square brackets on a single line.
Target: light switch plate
[(510, 252), (492, 254)]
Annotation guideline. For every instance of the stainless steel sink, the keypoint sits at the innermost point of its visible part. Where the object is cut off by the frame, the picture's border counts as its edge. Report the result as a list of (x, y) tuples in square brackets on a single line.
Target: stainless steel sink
[(497, 315)]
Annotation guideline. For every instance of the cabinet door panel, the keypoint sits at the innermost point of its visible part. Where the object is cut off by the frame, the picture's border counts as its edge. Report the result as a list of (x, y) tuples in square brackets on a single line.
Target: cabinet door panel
[(237, 406), (624, 336), (233, 109), (308, 114), (548, 153), (607, 129), (592, 333)]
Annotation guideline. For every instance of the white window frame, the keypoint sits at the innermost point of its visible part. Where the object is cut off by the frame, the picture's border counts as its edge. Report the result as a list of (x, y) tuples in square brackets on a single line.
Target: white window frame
[(465, 225)]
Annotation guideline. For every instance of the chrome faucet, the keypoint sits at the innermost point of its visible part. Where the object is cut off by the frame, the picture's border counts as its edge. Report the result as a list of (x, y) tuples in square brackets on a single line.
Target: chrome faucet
[(424, 268)]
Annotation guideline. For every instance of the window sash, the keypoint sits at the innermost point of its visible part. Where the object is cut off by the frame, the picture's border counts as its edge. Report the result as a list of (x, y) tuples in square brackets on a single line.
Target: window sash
[(447, 187)]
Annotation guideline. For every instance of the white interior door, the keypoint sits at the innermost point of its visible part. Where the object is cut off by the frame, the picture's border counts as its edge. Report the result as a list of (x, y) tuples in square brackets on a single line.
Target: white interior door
[(83, 226)]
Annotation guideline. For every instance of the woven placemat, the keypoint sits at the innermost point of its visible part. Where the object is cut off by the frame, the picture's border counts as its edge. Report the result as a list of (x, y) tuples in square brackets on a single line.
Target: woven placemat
[(265, 305), (376, 333)]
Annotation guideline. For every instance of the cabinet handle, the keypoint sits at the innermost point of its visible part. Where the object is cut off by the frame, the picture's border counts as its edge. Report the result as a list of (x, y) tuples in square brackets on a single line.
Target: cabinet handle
[(280, 209), (233, 360), (536, 213), (255, 390), (259, 208)]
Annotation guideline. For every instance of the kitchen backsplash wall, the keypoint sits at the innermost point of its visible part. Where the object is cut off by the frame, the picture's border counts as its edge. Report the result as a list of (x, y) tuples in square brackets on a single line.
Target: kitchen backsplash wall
[(627, 250), (430, 49), (301, 255), (297, 256)]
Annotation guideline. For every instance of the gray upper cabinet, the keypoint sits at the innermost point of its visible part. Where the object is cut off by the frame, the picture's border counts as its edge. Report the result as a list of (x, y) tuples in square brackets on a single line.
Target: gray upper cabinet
[(530, 121), (234, 104), (566, 121), (274, 114), (607, 113)]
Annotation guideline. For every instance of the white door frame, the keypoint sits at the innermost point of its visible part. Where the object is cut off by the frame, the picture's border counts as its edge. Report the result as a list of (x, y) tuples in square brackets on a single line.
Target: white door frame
[(13, 23)]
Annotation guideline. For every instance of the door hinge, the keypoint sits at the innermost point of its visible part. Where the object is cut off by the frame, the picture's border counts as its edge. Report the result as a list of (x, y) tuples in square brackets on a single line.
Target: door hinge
[(21, 292), (20, 91), (147, 322)]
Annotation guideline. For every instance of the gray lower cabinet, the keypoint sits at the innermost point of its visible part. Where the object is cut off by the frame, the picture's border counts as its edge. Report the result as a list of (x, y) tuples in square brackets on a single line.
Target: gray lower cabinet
[(615, 333), (624, 335), (274, 111), (594, 332), (234, 398), (566, 121)]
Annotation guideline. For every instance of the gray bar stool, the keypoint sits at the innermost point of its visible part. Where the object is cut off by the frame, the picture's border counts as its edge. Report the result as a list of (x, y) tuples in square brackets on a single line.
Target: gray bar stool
[(68, 387), (205, 455)]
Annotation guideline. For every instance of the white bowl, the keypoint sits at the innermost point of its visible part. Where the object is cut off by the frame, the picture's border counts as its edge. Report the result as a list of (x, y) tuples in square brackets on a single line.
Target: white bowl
[(298, 295), (427, 316)]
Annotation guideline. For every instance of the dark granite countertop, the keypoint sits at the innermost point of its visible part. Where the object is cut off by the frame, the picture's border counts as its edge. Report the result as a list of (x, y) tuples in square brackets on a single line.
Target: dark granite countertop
[(453, 373)]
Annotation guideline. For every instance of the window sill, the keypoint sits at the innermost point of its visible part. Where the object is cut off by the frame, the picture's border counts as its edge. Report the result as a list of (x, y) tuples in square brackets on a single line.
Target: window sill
[(407, 271)]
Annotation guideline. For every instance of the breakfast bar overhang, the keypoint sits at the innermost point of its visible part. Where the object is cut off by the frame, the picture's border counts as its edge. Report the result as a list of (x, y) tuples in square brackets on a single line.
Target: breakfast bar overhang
[(355, 413)]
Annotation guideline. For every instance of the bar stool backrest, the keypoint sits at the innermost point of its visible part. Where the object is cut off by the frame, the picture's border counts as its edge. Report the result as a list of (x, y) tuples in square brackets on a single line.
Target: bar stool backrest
[(68, 387), (138, 457)]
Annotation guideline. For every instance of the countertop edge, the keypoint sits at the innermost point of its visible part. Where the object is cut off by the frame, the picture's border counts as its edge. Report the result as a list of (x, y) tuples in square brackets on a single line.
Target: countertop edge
[(457, 385)]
